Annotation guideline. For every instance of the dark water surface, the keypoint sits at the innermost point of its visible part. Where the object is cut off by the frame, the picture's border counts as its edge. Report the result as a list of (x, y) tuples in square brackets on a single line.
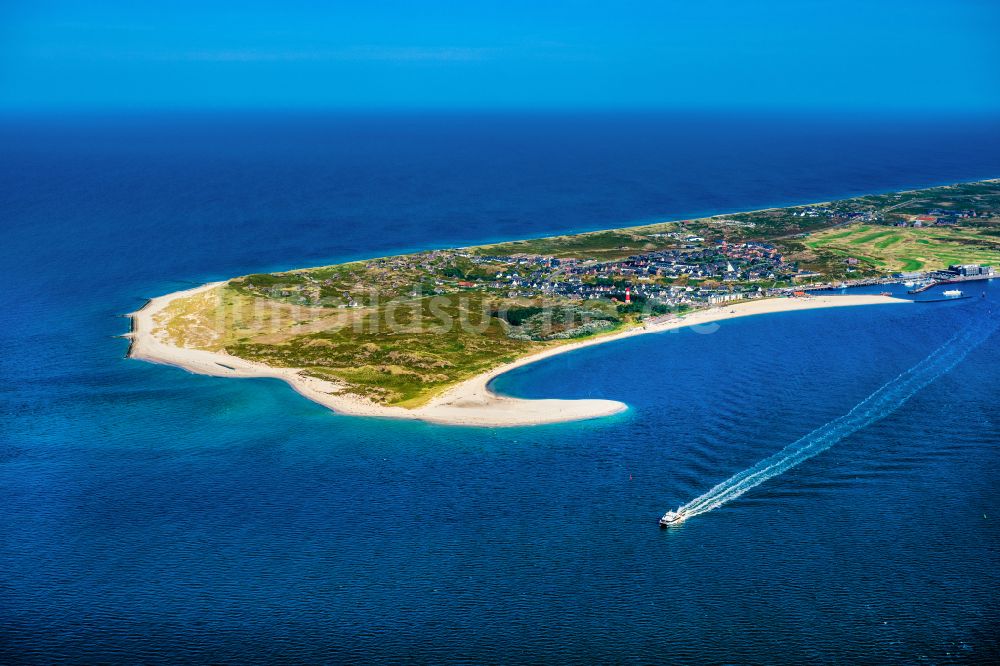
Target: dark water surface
[(149, 515)]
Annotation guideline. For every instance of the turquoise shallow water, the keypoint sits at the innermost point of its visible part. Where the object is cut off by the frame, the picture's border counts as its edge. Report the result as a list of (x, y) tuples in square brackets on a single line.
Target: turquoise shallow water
[(152, 515)]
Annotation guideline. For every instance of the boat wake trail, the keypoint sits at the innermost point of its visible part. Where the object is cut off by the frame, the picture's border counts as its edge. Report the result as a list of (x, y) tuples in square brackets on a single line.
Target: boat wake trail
[(875, 407)]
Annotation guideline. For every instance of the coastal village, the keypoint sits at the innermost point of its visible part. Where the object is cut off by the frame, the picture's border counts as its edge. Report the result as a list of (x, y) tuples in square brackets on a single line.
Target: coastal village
[(927, 236), (698, 273), (666, 279), (662, 281), (685, 270)]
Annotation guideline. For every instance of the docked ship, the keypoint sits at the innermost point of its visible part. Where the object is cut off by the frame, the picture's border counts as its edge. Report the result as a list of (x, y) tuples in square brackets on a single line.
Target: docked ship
[(671, 518)]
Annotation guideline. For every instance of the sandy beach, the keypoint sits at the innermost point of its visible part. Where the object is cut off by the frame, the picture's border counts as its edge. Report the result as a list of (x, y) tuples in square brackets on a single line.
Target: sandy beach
[(469, 403)]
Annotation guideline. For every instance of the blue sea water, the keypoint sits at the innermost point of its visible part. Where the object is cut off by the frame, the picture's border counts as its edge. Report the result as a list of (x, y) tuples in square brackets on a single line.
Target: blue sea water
[(150, 515)]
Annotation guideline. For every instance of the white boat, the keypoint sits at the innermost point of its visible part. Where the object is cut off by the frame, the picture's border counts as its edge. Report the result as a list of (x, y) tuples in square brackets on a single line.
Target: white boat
[(671, 518), (909, 283), (953, 293)]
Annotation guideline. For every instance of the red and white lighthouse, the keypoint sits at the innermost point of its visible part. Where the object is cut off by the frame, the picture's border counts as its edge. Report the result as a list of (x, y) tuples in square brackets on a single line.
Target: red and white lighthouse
[(628, 295)]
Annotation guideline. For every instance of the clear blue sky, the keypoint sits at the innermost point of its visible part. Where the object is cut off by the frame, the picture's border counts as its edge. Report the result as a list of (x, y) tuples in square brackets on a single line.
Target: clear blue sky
[(859, 54)]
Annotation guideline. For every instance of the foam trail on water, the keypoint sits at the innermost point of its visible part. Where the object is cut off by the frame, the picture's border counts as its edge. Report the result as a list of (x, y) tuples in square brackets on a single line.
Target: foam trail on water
[(875, 407)]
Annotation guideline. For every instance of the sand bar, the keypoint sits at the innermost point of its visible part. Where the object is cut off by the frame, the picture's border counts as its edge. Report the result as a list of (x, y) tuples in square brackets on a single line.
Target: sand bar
[(471, 402)]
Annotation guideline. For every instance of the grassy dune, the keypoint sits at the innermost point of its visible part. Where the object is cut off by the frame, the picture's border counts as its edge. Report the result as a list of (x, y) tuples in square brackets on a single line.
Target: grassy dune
[(399, 357)]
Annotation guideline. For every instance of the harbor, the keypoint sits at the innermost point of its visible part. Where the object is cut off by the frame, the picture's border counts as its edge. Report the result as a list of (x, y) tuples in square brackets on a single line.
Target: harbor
[(916, 283), (940, 278)]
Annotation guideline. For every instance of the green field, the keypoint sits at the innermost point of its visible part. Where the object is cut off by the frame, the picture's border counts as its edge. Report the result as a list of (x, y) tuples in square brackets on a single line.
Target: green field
[(908, 248)]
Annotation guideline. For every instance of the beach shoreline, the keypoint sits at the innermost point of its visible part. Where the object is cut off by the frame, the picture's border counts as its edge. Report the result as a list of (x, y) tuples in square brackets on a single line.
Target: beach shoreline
[(471, 402)]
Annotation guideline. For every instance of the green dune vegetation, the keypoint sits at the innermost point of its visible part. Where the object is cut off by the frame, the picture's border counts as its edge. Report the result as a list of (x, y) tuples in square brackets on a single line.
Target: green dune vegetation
[(400, 329)]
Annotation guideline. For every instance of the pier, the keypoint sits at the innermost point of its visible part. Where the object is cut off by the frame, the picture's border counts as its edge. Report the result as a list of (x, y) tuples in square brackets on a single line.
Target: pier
[(939, 278), (952, 280)]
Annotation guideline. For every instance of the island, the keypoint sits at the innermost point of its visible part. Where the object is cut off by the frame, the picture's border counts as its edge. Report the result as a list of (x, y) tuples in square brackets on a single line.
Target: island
[(421, 335)]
